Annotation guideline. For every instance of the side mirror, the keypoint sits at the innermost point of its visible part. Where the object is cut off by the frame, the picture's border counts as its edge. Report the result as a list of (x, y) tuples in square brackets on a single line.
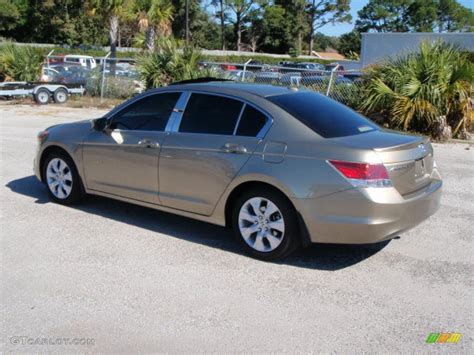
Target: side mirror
[(99, 124)]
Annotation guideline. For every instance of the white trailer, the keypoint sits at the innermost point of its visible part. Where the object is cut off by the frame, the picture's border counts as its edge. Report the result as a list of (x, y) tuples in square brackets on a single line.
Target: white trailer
[(42, 93)]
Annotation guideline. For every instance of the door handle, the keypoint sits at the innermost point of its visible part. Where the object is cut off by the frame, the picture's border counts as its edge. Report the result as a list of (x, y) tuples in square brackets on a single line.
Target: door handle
[(234, 148), (148, 143)]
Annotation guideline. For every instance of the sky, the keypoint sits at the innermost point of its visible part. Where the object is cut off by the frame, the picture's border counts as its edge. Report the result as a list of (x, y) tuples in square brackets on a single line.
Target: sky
[(356, 5)]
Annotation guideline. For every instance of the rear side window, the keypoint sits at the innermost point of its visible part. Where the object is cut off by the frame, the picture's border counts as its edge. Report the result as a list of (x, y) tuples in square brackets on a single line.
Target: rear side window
[(210, 114), (324, 116), (251, 122), (148, 114)]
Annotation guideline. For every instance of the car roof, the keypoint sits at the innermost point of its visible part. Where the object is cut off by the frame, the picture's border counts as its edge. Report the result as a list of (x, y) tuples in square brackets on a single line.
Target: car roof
[(235, 88), (239, 90)]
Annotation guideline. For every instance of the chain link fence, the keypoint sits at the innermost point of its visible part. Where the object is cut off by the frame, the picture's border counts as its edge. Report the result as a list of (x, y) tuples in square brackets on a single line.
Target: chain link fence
[(101, 77), (332, 80), (119, 77)]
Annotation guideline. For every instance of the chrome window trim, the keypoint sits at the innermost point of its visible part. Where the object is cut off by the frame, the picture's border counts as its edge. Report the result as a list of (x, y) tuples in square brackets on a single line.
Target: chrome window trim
[(177, 114), (260, 135), (238, 119)]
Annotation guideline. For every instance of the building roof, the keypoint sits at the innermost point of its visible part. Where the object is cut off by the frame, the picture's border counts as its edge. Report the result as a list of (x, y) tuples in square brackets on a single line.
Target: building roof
[(377, 47), (329, 55)]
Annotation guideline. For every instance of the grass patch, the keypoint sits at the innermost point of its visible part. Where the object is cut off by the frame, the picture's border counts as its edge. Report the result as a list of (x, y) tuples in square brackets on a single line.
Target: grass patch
[(92, 102)]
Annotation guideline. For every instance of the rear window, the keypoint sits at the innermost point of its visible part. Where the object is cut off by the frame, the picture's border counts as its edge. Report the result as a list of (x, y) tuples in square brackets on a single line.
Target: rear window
[(251, 122), (324, 116), (210, 114)]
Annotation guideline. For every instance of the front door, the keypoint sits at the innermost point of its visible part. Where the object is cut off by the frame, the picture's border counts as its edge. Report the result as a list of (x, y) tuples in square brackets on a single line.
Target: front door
[(215, 138), (123, 160)]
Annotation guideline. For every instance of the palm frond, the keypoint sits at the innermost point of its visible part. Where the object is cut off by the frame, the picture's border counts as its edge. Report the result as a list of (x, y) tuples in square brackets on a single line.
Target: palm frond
[(419, 87)]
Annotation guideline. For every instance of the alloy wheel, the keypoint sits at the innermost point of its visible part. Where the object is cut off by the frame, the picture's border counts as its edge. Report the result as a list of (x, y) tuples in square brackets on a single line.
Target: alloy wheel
[(261, 224), (59, 178)]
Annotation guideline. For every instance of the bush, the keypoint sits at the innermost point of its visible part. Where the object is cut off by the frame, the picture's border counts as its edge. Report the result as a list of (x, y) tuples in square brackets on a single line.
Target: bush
[(20, 63), (114, 87), (422, 90), (169, 64)]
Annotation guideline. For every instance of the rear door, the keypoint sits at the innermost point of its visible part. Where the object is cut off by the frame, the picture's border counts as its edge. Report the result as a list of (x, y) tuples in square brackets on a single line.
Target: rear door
[(212, 140), (123, 160)]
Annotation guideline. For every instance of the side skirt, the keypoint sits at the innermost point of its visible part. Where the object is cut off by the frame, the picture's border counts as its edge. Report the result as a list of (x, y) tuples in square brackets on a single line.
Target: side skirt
[(209, 219)]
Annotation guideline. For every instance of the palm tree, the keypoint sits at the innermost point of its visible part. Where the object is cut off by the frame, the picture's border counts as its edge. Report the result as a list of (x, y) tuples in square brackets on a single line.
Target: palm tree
[(111, 10), (168, 64), (154, 17), (420, 90)]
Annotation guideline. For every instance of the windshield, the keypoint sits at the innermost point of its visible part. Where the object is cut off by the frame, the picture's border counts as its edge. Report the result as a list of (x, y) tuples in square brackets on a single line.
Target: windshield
[(324, 116)]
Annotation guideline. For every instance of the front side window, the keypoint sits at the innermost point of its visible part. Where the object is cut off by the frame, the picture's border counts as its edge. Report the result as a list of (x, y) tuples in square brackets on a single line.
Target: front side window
[(148, 114), (210, 114)]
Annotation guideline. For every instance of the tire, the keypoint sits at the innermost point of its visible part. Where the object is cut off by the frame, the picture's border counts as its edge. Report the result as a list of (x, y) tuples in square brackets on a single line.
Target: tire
[(42, 96), (271, 233), (62, 179), (60, 96)]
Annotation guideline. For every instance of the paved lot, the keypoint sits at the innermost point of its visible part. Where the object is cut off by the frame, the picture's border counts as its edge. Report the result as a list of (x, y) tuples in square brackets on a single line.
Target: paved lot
[(135, 279)]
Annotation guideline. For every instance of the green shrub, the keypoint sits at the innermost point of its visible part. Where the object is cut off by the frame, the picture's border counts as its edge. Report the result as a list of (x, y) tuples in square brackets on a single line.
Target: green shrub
[(114, 87), (417, 91), (348, 94), (169, 64), (20, 63)]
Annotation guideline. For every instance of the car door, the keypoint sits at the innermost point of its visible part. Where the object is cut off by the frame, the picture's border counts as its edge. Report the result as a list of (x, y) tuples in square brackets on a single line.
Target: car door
[(123, 159), (212, 140)]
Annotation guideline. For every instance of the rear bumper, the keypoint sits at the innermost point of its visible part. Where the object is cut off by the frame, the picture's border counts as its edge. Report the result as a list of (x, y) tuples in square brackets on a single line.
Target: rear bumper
[(360, 216)]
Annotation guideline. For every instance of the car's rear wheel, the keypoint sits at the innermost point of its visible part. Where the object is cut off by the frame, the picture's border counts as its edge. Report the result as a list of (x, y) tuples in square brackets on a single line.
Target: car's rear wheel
[(61, 178), (265, 223)]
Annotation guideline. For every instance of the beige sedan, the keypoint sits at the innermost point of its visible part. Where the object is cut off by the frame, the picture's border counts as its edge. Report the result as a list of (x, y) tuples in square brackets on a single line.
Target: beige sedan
[(282, 167)]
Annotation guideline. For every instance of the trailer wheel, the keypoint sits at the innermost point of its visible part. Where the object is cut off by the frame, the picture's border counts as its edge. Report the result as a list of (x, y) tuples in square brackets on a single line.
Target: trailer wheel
[(60, 96), (42, 96)]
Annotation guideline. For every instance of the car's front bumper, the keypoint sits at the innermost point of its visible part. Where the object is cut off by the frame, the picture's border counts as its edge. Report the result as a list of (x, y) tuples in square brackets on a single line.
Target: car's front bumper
[(359, 216), (36, 169)]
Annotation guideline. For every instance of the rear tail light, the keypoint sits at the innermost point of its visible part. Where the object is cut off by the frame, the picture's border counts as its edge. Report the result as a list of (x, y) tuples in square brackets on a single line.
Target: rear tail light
[(363, 174)]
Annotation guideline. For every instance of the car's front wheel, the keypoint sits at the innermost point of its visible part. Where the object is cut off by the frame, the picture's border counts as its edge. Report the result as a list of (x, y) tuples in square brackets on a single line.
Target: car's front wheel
[(61, 177), (265, 223)]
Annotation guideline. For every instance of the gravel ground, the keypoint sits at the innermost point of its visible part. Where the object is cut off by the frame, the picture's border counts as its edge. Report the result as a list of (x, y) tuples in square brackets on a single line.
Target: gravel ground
[(137, 280)]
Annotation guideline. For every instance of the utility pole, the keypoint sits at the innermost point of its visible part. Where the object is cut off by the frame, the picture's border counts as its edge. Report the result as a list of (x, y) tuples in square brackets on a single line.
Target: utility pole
[(187, 23)]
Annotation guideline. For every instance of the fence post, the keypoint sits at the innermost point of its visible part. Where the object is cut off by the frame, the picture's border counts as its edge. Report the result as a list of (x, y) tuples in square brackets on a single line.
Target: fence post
[(245, 68), (103, 78), (330, 80), (47, 58)]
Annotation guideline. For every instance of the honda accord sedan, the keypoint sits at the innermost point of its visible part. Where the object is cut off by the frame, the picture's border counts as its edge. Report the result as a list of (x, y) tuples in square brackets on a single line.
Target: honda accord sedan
[(283, 167)]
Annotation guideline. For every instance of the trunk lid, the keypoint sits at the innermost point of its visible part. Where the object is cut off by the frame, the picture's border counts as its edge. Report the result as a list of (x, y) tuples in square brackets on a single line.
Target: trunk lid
[(408, 159)]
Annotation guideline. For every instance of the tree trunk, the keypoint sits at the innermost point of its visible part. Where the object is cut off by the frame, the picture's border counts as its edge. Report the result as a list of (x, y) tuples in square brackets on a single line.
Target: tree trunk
[(150, 38), (222, 25), (113, 33), (300, 44), (254, 41), (311, 29), (238, 24)]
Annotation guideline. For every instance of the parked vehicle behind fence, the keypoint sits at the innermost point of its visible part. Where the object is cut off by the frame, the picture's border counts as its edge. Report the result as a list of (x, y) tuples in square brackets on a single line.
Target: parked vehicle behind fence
[(49, 75), (83, 60)]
